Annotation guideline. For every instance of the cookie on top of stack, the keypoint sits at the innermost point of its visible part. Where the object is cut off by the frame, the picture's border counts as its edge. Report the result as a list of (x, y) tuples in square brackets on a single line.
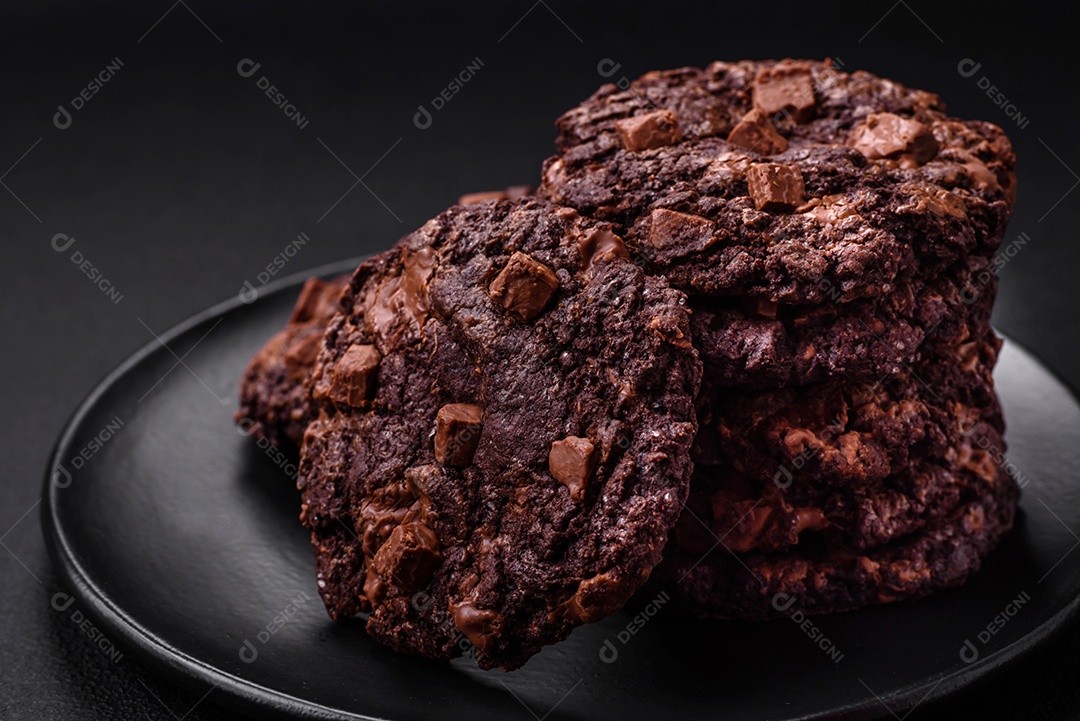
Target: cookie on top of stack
[(828, 235)]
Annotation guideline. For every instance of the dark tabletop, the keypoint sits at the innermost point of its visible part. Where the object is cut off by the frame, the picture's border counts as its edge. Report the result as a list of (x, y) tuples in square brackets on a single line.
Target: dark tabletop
[(179, 179)]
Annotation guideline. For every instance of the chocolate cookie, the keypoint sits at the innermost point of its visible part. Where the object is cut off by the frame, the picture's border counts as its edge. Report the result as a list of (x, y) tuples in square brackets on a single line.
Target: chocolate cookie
[(752, 343), (790, 181), (274, 392), (830, 577), (855, 433), (786, 511), (506, 417)]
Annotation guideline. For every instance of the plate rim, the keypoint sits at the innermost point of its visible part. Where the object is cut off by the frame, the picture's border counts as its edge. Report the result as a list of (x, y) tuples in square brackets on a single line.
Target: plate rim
[(195, 674)]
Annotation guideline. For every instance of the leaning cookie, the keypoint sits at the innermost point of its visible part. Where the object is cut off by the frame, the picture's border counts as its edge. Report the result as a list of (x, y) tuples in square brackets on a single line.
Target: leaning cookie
[(506, 422), (790, 181), (274, 391), (723, 583)]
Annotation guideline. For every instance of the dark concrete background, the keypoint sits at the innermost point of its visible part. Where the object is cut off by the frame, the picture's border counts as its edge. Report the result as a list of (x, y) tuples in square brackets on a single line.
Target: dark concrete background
[(180, 179)]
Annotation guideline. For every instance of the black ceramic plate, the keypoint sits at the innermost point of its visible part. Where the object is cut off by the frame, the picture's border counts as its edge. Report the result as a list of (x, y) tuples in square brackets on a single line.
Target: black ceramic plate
[(179, 536)]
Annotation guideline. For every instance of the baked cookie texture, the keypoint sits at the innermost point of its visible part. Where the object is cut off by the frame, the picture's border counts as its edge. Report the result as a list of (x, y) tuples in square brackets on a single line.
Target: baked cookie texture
[(739, 345), (747, 343), (275, 394), (828, 578), (506, 412), (848, 186), (834, 233)]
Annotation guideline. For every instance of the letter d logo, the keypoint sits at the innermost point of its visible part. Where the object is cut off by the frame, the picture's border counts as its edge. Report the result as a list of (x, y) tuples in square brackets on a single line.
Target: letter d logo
[(61, 242), (608, 652), (607, 67), (247, 67), (248, 652), (967, 67), (782, 601), (62, 477), (782, 478), (61, 601), (968, 652), (422, 119), (62, 118), (248, 294)]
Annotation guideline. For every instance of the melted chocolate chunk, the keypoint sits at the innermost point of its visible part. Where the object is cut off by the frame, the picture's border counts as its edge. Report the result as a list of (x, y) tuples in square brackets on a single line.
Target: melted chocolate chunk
[(409, 557), (524, 286), (670, 229), (572, 461), (457, 433), (786, 88), (353, 375), (756, 133), (482, 627), (600, 245), (885, 135), (775, 188), (652, 130)]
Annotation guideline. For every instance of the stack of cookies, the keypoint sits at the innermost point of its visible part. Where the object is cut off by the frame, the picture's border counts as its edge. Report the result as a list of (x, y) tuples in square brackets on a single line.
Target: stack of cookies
[(736, 347)]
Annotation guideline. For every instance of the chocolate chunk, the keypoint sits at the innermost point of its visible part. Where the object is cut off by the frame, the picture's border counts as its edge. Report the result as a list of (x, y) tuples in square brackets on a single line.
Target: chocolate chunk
[(775, 187), (457, 433), (600, 245), (410, 557), (885, 135), (572, 462), (300, 357), (353, 376), (374, 588), (402, 298), (653, 130), (524, 286), (787, 88), (672, 229), (765, 308), (318, 299), (756, 133), (480, 626), (480, 197), (595, 598)]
